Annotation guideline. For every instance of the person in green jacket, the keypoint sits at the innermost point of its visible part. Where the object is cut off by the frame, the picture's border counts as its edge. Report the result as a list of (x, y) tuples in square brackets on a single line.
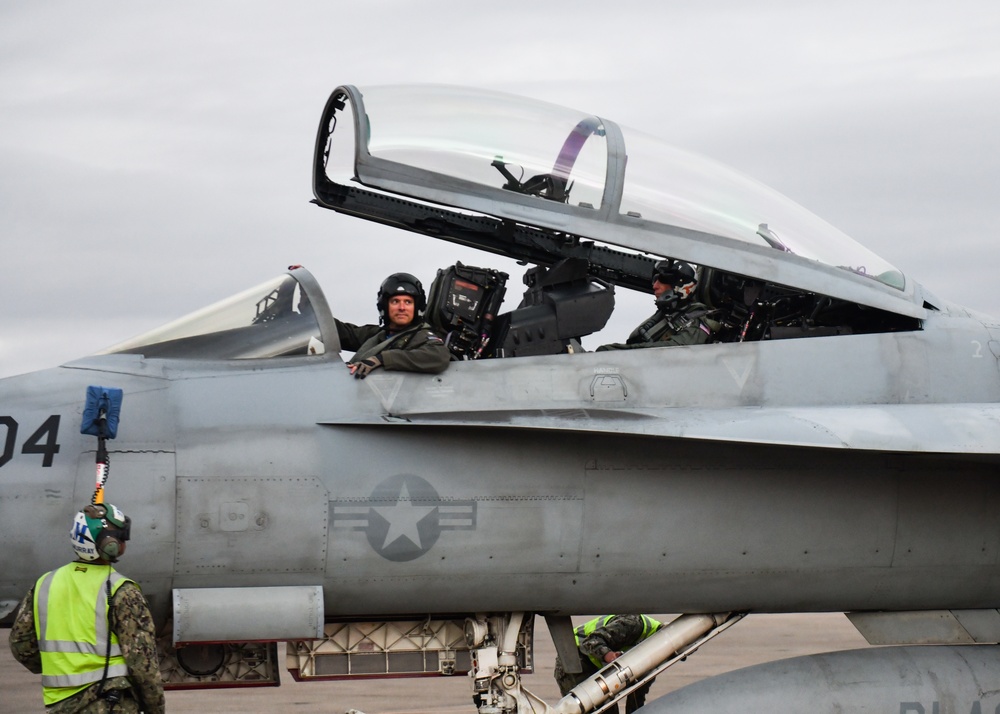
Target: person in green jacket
[(87, 629), (601, 641), (679, 319), (402, 340)]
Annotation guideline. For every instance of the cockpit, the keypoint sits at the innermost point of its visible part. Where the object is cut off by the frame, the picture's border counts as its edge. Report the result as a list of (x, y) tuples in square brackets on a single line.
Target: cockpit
[(587, 205), (288, 316)]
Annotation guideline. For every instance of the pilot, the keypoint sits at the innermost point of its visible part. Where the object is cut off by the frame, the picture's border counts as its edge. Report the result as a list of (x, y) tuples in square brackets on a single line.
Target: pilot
[(679, 319), (93, 664), (600, 642), (402, 340)]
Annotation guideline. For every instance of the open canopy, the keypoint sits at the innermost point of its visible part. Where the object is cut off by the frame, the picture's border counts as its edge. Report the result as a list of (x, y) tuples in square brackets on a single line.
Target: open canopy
[(552, 171)]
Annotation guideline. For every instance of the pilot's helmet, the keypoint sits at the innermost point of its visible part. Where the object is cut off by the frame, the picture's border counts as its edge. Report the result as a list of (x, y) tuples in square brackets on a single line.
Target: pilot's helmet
[(100, 531), (681, 278), (400, 284)]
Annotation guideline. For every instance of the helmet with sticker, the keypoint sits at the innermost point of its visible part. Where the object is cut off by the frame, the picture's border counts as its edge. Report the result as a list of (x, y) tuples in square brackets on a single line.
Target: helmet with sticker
[(680, 279), (99, 532)]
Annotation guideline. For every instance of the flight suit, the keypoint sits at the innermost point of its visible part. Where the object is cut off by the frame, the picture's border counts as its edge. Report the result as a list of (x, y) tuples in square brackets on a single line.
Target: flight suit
[(415, 349), (689, 325)]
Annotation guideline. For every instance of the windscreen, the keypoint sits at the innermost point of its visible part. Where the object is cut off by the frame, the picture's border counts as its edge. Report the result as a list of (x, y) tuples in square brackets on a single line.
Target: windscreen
[(272, 319)]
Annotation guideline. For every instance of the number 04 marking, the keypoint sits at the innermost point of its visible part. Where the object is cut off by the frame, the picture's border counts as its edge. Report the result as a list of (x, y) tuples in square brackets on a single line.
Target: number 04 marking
[(44, 441)]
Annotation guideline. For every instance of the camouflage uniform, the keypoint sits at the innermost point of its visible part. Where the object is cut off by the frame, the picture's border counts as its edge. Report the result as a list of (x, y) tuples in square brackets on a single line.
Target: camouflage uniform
[(689, 325), (415, 349), (620, 633), (132, 622)]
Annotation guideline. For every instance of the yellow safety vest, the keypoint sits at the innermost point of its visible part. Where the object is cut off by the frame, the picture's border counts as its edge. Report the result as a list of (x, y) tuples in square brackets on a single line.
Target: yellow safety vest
[(71, 623), (649, 626)]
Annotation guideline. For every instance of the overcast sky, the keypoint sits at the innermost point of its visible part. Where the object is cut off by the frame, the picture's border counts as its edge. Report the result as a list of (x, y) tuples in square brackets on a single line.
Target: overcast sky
[(155, 158)]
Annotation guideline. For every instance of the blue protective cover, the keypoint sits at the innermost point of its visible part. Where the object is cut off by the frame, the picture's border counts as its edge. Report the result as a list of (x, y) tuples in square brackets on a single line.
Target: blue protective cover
[(108, 400)]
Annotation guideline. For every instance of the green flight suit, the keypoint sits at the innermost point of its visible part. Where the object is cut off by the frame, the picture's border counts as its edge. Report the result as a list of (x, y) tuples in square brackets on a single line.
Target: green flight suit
[(689, 325), (415, 349)]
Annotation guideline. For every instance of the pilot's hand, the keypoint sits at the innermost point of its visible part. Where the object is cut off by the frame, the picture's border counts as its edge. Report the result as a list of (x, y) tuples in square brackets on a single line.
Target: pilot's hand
[(611, 656), (362, 369)]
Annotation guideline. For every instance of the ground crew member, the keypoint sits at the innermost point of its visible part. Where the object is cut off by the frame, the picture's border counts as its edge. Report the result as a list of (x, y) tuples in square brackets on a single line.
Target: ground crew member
[(402, 340), (679, 319), (601, 641), (87, 629)]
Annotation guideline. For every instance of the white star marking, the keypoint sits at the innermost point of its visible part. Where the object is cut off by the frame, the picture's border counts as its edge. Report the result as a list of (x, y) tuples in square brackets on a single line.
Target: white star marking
[(403, 519)]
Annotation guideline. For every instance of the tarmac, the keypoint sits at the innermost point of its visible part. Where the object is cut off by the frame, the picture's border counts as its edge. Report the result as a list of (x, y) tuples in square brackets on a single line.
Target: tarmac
[(756, 639)]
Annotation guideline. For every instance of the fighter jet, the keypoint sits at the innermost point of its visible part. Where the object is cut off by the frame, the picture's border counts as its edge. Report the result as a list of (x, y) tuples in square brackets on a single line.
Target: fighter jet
[(832, 448)]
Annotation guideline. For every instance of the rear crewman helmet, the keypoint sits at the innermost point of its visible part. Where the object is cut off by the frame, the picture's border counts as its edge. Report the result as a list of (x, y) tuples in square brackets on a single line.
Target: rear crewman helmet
[(400, 284), (681, 278), (100, 531)]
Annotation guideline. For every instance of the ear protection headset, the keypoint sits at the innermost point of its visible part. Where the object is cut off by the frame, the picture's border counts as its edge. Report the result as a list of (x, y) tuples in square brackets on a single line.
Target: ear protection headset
[(111, 529)]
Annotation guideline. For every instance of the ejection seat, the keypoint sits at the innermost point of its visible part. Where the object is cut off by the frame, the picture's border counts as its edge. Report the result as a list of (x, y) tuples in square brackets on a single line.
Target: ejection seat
[(462, 305), (560, 305)]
